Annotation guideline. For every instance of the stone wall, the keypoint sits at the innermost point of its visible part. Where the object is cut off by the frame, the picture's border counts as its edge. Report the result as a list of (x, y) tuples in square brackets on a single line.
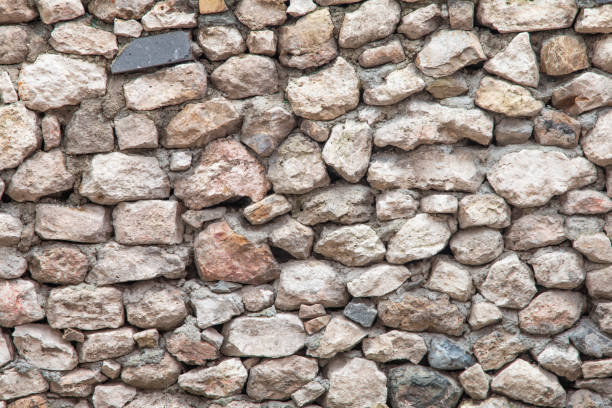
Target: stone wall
[(347, 204)]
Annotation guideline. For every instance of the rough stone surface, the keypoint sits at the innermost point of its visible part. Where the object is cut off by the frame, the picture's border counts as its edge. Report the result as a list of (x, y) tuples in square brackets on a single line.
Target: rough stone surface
[(503, 281), (477, 246), (19, 135), (80, 39), (420, 237), (246, 75), (422, 387), (88, 224), (151, 305), (461, 48), (535, 16), (516, 63), (502, 97), (373, 20), (347, 150), (563, 54), (279, 378), (223, 380), (347, 375), (353, 245)]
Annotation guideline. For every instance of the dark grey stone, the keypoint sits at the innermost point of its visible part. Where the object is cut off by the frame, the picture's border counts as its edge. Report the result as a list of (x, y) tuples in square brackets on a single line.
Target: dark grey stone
[(153, 51), (445, 354), (592, 3), (225, 18), (362, 311), (421, 387), (589, 340), (224, 287)]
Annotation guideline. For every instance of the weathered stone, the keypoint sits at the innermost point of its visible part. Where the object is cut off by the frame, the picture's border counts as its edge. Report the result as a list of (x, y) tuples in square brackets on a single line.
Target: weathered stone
[(390, 52), (220, 42), (257, 298), (595, 145), (475, 382), (341, 203), (152, 91), (427, 168), (451, 278), (267, 123), (88, 130), (43, 347), (508, 17), (477, 246), (127, 28), (267, 209), (148, 222), (420, 237), (297, 166), (445, 354), (585, 399), (585, 202), (348, 149), (362, 311), (447, 87), (52, 11), (595, 247), (373, 20), (461, 48), (226, 170), (12, 263), (422, 311), (563, 54), (153, 51), (262, 42), (561, 360), (326, 94), (309, 42), (517, 62), (59, 264), (158, 373), (212, 6), (349, 374), (222, 254), (11, 229), (115, 177), (602, 315), (552, 312), (317, 324), (549, 174), (7, 91), (19, 135), (502, 97), (528, 383), (28, 182), (354, 245), (17, 11), (278, 336), (185, 344), (513, 131), (560, 268), (509, 283), (398, 85), (117, 263), (292, 237), (554, 128), (54, 80), (439, 204), (309, 392), (85, 307), (111, 369), (169, 14), (378, 280), (108, 11), (498, 348), (147, 338), (461, 14), (594, 20), (113, 395), (429, 123), (215, 308), (135, 131), (340, 335), (420, 22), (598, 283), (278, 379), (13, 45), (154, 305), (225, 379), (583, 93), (602, 53), (299, 8), (395, 345), (15, 384), (258, 14), (309, 282), (589, 340), (420, 387), (597, 369), (88, 223), (35, 401), (393, 204), (106, 344), (180, 161), (487, 210), (534, 231), (19, 302), (81, 39), (246, 75)]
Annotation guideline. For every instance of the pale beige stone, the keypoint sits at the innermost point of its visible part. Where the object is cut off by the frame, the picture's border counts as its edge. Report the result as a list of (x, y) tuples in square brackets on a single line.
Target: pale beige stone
[(151, 304), (561, 268), (340, 335), (15, 384), (602, 53), (595, 247), (378, 280), (44, 347), (19, 302), (220, 42), (477, 245), (258, 14), (106, 344), (552, 312), (535, 231), (136, 131), (502, 97), (267, 209), (397, 86), (168, 14), (517, 62), (561, 360), (158, 373), (19, 135), (395, 345), (349, 374), (393, 204), (420, 22), (246, 75), (391, 52), (88, 223), (373, 20), (554, 128), (168, 86), (7, 91), (355, 245), (509, 283), (507, 17), (81, 39), (17, 11), (52, 11), (11, 229), (452, 278), (279, 378), (598, 283), (148, 222), (127, 28), (583, 93), (563, 54), (222, 380), (262, 42), (475, 382), (483, 314), (585, 202), (595, 144), (461, 14), (498, 348), (125, 9), (488, 210), (439, 204), (420, 237), (592, 20), (348, 150), (447, 51), (113, 395), (293, 237)]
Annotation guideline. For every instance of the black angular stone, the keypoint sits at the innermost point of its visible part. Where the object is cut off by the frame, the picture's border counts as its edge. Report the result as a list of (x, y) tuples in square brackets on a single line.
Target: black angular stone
[(153, 51)]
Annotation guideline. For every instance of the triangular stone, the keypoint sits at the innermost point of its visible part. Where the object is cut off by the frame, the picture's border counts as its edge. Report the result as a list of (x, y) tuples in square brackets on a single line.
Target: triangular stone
[(516, 63), (153, 51)]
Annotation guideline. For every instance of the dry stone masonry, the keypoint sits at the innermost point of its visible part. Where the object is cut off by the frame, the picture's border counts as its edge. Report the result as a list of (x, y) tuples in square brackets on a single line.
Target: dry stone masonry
[(305, 203)]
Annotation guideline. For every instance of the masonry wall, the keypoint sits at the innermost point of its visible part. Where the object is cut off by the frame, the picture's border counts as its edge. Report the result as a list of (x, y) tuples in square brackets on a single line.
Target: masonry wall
[(340, 204)]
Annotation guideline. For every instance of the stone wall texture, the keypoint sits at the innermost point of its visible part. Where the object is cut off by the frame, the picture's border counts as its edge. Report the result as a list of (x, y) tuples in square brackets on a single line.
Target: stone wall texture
[(323, 204)]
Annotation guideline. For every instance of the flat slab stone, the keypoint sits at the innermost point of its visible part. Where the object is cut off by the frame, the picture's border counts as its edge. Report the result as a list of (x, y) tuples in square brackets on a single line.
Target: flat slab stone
[(153, 51)]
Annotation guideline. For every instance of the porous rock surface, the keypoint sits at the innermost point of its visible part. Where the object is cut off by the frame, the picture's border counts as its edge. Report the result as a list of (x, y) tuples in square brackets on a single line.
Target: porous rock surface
[(309, 203)]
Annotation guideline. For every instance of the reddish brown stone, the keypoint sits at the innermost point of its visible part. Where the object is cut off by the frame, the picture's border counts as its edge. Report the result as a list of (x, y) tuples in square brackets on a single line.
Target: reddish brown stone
[(19, 302), (35, 401), (190, 349), (62, 264), (222, 254)]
